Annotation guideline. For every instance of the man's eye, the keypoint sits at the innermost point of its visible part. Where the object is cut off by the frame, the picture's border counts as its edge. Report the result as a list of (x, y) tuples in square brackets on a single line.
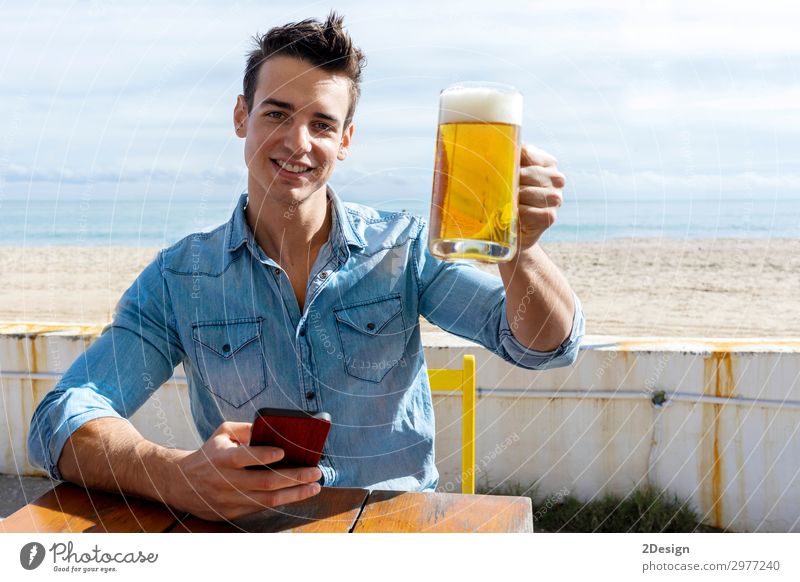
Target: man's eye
[(274, 114), (324, 127)]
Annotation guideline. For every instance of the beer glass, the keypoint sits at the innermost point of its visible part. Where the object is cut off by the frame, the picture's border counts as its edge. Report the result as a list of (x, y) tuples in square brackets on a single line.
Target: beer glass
[(476, 175)]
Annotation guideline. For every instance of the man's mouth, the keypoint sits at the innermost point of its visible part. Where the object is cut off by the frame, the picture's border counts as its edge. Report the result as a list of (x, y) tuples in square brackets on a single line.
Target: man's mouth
[(297, 169)]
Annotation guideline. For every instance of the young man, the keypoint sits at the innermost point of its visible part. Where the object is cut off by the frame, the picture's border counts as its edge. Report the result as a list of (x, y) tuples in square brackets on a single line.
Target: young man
[(299, 301)]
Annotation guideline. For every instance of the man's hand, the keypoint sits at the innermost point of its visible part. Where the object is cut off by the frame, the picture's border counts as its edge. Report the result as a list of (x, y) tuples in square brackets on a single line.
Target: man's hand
[(540, 186), (216, 486), (539, 304)]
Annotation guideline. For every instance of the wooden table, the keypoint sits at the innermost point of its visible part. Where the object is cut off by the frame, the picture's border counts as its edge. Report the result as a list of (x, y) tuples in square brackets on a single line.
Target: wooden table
[(72, 509)]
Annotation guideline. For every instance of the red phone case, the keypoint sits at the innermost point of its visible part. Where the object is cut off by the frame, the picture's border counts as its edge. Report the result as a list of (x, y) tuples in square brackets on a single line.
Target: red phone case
[(300, 434)]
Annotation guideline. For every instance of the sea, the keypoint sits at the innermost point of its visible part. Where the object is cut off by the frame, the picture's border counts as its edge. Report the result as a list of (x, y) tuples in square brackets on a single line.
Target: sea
[(153, 221)]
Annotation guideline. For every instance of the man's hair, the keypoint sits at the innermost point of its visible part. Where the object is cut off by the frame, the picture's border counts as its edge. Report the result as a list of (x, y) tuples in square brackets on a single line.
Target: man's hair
[(325, 45)]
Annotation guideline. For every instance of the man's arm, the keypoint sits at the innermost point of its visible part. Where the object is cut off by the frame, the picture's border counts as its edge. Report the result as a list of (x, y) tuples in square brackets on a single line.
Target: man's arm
[(539, 302), (212, 483), (471, 303), (109, 454), (116, 375)]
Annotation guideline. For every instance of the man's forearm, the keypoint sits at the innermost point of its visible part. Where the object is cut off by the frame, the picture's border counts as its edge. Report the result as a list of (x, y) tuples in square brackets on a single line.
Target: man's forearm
[(539, 303), (109, 454)]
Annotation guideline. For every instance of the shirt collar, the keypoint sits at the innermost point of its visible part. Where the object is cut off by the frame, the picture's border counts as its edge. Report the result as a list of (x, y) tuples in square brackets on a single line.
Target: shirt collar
[(343, 234)]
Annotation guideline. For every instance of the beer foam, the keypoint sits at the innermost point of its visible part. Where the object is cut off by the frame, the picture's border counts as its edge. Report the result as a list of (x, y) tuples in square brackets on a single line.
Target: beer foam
[(470, 104)]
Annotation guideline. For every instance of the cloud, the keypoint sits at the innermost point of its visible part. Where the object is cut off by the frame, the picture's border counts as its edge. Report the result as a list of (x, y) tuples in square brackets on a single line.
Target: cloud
[(652, 95), (712, 27), (773, 108)]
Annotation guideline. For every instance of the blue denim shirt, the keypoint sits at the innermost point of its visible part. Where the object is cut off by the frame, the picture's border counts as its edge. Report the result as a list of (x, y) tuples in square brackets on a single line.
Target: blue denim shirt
[(216, 303)]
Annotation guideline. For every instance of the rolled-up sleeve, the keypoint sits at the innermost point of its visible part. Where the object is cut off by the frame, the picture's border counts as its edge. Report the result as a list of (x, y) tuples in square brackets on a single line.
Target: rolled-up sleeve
[(563, 355), (470, 303), (133, 356)]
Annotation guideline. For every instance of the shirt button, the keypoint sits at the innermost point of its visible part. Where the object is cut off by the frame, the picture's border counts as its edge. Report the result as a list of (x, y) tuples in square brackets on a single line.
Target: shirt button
[(310, 395), (277, 272), (226, 348), (370, 326), (302, 332), (323, 275)]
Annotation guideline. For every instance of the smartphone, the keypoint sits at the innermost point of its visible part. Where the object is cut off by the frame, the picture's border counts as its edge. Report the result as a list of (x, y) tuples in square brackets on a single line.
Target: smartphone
[(300, 434)]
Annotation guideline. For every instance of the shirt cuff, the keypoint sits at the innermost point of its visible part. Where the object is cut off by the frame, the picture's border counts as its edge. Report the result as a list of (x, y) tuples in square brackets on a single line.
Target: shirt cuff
[(65, 430), (563, 355)]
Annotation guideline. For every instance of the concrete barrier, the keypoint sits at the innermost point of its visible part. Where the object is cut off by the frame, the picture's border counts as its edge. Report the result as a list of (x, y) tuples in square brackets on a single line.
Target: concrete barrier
[(713, 421)]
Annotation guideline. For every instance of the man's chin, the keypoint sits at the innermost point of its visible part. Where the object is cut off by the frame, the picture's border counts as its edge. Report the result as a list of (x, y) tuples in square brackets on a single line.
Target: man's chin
[(291, 196)]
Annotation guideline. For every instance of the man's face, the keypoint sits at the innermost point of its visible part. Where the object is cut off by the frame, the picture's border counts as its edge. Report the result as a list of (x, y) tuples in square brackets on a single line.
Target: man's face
[(294, 134)]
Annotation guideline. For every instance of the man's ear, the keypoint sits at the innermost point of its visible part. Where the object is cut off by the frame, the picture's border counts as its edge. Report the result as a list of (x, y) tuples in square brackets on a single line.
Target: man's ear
[(344, 148), (240, 117)]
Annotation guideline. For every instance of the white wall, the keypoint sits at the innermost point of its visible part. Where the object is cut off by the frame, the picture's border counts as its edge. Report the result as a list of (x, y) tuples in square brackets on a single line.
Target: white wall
[(726, 438)]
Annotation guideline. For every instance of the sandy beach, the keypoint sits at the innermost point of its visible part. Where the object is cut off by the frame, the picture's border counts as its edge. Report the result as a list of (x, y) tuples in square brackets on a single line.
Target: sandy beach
[(631, 287)]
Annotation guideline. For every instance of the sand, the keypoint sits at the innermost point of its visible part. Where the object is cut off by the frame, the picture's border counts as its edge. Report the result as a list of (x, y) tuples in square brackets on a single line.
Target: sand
[(629, 287)]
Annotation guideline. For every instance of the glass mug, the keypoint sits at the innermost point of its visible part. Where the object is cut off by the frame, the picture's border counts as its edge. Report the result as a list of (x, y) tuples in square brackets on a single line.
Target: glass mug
[(476, 175)]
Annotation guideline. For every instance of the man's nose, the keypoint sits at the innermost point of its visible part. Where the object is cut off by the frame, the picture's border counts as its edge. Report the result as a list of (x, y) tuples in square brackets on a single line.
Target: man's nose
[(297, 138)]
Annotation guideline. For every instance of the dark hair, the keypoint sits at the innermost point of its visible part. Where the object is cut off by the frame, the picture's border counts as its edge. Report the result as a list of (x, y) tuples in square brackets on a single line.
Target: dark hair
[(327, 46)]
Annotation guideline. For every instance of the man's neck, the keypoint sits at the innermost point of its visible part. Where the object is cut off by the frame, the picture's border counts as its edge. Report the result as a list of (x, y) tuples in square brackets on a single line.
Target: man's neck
[(291, 234)]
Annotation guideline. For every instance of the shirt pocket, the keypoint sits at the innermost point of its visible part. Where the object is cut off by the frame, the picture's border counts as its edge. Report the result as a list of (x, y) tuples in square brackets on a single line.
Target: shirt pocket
[(372, 334), (230, 359)]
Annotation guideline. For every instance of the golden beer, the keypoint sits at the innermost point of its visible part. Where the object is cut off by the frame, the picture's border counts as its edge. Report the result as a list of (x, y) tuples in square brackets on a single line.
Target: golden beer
[(476, 176)]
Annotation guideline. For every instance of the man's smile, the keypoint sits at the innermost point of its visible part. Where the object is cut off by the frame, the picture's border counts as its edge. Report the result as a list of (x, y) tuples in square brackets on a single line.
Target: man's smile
[(290, 168)]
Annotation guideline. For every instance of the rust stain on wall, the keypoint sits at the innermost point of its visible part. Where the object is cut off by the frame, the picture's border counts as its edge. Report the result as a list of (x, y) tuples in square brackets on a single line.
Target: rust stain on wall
[(24, 329), (32, 364), (719, 381), (713, 345), (718, 374)]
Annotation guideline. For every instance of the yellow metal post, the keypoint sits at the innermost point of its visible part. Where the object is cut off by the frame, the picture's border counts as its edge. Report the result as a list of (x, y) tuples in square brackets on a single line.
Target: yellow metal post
[(464, 381), (468, 426)]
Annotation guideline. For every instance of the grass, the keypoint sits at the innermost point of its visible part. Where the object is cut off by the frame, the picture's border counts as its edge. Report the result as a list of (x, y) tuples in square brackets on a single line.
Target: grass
[(645, 510)]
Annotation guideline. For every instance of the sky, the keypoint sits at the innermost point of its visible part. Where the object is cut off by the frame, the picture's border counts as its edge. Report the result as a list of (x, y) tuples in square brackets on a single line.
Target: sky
[(643, 99)]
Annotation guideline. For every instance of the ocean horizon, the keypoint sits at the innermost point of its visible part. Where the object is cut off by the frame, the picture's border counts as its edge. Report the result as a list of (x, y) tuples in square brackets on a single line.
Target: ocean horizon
[(154, 221)]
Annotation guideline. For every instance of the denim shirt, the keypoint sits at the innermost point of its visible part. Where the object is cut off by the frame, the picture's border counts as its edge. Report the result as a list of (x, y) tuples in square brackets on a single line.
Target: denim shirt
[(216, 303)]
